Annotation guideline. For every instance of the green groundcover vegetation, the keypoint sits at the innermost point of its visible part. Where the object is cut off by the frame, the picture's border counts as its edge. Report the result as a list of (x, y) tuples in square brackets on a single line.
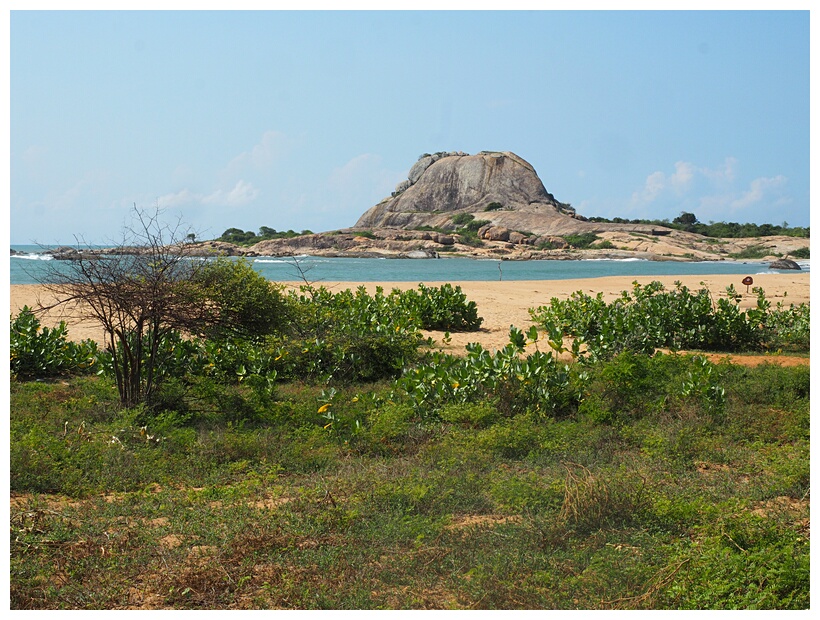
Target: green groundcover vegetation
[(341, 461)]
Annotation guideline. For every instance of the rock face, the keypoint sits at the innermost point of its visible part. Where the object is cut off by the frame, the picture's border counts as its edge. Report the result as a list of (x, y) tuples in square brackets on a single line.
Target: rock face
[(490, 185)]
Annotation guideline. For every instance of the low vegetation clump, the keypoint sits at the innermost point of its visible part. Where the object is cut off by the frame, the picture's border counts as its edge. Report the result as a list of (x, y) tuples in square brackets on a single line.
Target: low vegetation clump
[(248, 237), (649, 317), (38, 351), (753, 252), (466, 227), (581, 241), (331, 459), (442, 308)]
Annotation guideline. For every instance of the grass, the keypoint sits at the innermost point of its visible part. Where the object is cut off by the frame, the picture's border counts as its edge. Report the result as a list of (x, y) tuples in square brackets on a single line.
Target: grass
[(643, 499)]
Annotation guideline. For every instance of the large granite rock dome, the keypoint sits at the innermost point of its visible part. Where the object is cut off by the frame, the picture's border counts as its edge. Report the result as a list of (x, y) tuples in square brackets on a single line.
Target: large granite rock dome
[(490, 183)]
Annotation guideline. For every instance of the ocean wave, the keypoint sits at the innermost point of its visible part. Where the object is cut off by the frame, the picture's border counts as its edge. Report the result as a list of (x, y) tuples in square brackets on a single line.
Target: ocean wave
[(33, 256)]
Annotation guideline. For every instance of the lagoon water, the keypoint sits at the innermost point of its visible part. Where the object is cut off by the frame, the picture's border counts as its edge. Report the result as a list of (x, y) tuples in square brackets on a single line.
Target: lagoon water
[(29, 268)]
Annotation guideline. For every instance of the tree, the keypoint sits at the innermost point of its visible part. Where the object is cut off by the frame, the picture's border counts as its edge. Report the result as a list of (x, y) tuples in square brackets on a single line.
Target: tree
[(237, 235), (142, 292), (244, 303), (266, 232), (686, 219)]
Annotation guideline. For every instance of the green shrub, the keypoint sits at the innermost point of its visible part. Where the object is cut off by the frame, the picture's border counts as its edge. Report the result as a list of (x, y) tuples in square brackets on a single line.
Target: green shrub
[(801, 253), (537, 382), (753, 252), (389, 423), (513, 439), (345, 336), (788, 328), (443, 308), (649, 317), (250, 306), (582, 241), (629, 387), (478, 415), (606, 244), (462, 219), (37, 351)]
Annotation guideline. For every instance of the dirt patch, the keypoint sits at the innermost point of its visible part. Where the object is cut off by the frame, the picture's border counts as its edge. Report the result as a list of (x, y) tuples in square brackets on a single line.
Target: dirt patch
[(757, 360), (466, 521)]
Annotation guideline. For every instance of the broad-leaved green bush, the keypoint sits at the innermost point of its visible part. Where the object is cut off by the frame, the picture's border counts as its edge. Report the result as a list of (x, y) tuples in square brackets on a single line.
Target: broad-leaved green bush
[(38, 351), (649, 317)]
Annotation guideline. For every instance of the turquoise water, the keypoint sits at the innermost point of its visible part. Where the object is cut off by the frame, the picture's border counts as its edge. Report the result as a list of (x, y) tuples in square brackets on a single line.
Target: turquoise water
[(29, 269)]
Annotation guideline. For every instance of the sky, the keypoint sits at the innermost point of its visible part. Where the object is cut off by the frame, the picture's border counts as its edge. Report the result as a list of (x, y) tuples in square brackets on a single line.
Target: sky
[(305, 119)]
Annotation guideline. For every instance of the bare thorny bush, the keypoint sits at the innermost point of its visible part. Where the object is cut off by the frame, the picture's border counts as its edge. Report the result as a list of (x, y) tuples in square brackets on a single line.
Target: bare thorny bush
[(139, 291)]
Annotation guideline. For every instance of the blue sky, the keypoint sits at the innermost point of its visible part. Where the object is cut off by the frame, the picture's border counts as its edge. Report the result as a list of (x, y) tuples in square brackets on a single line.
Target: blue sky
[(304, 120)]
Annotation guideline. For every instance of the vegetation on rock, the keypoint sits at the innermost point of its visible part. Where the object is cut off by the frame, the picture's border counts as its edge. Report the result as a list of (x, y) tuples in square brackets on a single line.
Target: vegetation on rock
[(689, 222)]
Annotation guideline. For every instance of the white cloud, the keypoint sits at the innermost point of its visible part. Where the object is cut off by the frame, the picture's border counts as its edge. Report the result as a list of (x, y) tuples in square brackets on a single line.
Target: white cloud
[(241, 194), (653, 187), (760, 190), (711, 193), (271, 147), (178, 199), (658, 183), (681, 180), (725, 175)]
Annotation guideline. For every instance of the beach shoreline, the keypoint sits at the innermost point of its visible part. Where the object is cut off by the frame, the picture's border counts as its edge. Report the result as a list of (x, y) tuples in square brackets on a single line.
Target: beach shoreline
[(500, 303)]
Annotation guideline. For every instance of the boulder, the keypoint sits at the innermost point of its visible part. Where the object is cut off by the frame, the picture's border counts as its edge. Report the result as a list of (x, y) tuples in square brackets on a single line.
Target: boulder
[(443, 184), (555, 243), (418, 169), (421, 254), (497, 233), (784, 263), (517, 238), (401, 187)]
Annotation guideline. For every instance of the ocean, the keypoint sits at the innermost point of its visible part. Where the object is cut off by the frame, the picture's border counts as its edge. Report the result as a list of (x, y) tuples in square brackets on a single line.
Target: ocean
[(30, 268)]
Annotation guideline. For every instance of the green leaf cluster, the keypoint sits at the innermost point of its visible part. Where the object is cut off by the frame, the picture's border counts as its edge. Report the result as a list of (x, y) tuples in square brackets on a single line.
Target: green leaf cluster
[(442, 308), (649, 317), (513, 382), (38, 351)]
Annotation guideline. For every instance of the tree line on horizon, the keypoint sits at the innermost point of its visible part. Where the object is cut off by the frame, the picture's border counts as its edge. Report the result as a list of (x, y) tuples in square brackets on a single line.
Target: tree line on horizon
[(248, 237), (689, 222), (686, 221)]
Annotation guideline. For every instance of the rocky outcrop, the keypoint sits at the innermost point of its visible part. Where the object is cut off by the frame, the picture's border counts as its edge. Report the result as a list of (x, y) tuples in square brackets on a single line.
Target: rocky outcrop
[(784, 263), (500, 187)]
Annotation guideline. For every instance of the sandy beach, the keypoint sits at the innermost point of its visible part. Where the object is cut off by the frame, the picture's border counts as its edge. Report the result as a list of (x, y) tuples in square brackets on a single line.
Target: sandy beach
[(500, 303)]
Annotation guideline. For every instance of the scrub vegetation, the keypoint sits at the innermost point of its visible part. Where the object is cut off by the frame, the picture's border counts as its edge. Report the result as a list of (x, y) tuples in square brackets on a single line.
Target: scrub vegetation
[(334, 459)]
